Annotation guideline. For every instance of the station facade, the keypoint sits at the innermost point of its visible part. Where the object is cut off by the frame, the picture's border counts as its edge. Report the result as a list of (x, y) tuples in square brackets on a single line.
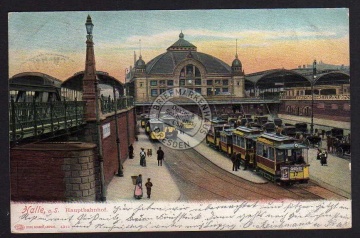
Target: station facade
[(182, 65)]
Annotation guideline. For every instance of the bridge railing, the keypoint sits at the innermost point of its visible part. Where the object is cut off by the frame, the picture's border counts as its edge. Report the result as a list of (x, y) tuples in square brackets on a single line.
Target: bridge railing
[(108, 104), (34, 119)]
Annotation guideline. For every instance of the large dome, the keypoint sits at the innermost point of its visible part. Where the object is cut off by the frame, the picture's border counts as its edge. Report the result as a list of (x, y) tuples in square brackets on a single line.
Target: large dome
[(181, 50), (166, 63)]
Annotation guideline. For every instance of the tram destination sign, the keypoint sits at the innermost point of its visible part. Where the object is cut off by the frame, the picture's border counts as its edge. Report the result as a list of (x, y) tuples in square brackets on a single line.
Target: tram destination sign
[(296, 169)]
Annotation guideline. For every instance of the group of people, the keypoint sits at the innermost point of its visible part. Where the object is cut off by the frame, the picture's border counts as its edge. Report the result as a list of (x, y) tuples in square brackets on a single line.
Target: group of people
[(236, 160), (138, 191)]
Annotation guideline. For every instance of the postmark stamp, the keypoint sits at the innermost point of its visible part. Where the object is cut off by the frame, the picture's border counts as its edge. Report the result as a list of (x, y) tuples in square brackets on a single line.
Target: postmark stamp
[(181, 128)]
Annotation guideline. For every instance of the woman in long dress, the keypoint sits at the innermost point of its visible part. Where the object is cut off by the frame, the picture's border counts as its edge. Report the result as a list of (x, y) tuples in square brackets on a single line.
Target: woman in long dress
[(138, 192)]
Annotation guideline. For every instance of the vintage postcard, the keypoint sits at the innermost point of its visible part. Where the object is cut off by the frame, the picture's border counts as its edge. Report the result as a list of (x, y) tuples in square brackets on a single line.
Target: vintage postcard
[(182, 120)]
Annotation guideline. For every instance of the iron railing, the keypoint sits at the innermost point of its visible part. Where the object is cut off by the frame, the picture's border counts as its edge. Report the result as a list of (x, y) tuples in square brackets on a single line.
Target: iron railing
[(108, 104), (33, 119)]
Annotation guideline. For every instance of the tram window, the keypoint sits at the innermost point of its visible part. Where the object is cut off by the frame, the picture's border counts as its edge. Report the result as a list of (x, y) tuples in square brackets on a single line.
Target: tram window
[(229, 140), (242, 142), (234, 139), (280, 155), (271, 154), (259, 149)]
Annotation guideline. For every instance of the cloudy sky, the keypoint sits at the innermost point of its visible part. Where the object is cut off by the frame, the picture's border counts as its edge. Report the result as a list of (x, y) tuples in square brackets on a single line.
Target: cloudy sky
[(54, 42)]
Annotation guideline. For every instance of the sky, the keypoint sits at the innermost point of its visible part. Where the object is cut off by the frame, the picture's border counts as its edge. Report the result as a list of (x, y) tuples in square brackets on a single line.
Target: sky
[(54, 42)]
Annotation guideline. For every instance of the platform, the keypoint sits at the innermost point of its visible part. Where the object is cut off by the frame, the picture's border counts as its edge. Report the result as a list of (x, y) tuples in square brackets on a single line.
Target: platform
[(164, 188)]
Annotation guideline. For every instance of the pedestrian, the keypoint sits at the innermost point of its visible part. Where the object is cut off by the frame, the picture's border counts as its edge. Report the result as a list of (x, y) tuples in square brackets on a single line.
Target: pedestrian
[(148, 186), (329, 142), (233, 160), (238, 160), (149, 152), (247, 160), (138, 192), (323, 159), (131, 151), (160, 156), (318, 154), (142, 157)]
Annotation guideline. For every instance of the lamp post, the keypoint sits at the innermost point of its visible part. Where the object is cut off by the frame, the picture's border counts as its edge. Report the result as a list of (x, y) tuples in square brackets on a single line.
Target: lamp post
[(90, 93), (312, 98), (120, 171)]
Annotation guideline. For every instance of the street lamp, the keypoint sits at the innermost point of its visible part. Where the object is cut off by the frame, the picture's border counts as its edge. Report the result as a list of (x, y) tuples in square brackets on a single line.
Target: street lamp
[(89, 27), (89, 95), (312, 98)]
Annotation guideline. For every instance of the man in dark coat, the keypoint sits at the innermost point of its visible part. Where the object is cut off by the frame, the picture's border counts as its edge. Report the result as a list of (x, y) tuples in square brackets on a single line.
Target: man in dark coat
[(131, 151), (234, 160), (238, 160), (160, 156), (247, 160), (148, 186), (323, 159)]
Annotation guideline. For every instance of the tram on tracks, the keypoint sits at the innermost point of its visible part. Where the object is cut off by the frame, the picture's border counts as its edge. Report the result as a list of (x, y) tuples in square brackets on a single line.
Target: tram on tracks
[(186, 121), (281, 159), (244, 141), (169, 126), (226, 137), (213, 136), (144, 119), (155, 129)]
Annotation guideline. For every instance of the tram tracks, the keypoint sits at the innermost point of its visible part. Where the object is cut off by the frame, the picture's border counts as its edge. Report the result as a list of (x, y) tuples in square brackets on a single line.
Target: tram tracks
[(202, 173)]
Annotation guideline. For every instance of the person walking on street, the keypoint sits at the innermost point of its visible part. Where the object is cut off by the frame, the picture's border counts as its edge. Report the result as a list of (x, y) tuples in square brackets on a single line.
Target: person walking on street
[(148, 186), (233, 160), (142, 157), (160, 156), (131, 151), (138, 192), (318, 154), (323, 159), (247, 160), (238, 160)]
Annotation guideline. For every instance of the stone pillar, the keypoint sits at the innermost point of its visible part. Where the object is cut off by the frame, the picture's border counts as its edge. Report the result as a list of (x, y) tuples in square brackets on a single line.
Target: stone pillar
[(90, 81)]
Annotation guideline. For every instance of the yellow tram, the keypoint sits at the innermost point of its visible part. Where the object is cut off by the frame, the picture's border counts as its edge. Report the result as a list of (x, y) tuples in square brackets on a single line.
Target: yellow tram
[(244, 141), (169, 126), (213, 136), (280, 159), (155, 129), (186, 121), (226, 141)]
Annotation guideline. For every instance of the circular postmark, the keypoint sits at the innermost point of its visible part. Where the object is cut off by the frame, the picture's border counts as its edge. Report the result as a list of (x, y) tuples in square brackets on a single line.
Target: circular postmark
[(174, 125), (45, 61)]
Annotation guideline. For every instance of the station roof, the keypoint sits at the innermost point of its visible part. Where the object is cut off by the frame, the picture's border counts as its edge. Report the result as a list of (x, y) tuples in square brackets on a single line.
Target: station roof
[(34, 81), (280, 78), (75, 82)]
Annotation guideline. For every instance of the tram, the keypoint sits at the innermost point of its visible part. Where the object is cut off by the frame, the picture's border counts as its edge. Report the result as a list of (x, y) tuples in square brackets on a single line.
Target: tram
[(213, 136), (144, 119), (155, 129), (244, 141), (226, 141), (280, 159), (186, 121), (169, 126)]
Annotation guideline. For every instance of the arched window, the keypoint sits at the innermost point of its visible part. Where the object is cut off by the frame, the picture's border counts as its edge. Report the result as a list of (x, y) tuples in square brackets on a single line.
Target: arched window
[(306, 111), (288, 109), (190, 75)]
